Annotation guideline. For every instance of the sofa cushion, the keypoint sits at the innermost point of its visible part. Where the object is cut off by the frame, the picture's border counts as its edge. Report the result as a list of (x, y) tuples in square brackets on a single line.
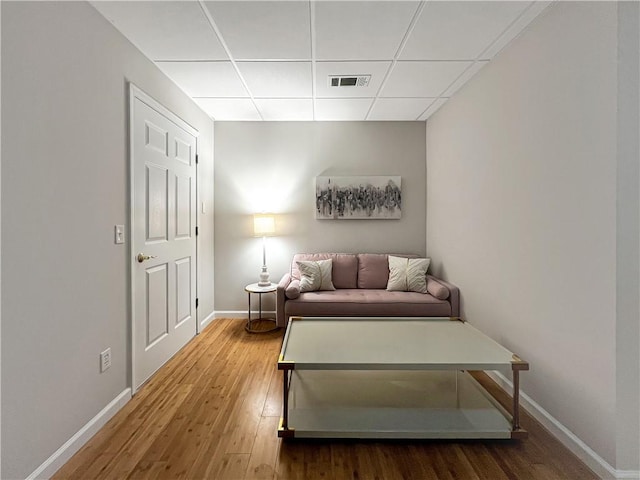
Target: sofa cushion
[(373, 270), (315, 275), (367, 302), (344, 268), (293, 289), (437, 289), (408, 274)]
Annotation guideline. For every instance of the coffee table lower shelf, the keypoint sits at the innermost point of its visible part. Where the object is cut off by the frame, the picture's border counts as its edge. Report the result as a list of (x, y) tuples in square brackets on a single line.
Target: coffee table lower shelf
[(393, 405)]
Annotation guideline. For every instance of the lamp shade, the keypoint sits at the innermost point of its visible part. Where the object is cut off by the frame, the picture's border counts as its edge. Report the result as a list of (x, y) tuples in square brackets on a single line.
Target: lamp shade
[(264, 225)]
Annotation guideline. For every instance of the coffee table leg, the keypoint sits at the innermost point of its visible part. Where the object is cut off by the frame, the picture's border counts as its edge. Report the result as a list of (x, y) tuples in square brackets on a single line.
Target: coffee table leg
[(284, 431), (516, 400), (285, 399)]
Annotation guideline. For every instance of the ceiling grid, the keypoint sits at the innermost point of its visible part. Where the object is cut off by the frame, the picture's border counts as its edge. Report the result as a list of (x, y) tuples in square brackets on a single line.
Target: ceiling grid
[(271, 59), (212, 22), (412, 25), (312, 35)]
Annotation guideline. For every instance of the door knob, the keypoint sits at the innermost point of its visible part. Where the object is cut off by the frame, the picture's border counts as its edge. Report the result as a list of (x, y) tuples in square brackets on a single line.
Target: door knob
[(142, 257)]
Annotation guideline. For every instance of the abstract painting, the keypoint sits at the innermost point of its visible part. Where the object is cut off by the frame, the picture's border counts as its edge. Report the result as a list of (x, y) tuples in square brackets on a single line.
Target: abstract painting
[(359, 198)]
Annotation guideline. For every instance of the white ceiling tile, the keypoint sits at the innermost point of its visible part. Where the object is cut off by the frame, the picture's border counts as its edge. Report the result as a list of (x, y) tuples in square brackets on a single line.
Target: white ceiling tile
[(277, 79), (165, 30), (342, 109), (205, 79), (518, 26), (464, 78), (399, 108), (264, 29), (229, 108), (271, 74), (285, 109), (361, 30), (433, 108), (422, 79), (459, 30), (377, 70)]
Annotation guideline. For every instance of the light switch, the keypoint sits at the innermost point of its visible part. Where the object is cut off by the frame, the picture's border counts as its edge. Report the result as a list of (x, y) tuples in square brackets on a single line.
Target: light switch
[(119, 234), (204, 209)]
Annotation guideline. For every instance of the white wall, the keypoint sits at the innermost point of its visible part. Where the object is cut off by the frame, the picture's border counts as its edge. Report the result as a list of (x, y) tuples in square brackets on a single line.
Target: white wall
[(272, 166), (628, 236), (205, 227), (65, 74), (0, 245), (521, 210)]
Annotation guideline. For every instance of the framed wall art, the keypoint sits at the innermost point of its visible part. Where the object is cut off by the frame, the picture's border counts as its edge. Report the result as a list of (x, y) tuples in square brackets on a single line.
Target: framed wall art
[(359, 198)]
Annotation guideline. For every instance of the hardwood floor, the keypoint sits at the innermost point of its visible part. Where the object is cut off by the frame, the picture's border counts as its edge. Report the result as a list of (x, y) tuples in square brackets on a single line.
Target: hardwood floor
[(212, 412)]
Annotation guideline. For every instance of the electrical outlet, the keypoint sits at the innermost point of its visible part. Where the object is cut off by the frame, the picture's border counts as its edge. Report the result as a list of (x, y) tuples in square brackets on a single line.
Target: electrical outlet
[(105, 360)]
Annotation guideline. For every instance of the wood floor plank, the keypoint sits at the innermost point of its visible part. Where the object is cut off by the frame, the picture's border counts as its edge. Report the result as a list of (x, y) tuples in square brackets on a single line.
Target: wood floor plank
[(132, 450), (152, 471), (231, 467), (290, 461), (367, 464), (210, 456), (212, 413), (393, 461), (128, 441), (273, 402), (436, 467), (262, 463), (401, 458), (245, 418), (343, 460), (482, 461), (317, 461)]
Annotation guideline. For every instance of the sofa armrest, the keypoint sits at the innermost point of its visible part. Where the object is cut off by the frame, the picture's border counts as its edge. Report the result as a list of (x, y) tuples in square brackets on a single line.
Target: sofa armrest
[(281, 321), (454, 295)]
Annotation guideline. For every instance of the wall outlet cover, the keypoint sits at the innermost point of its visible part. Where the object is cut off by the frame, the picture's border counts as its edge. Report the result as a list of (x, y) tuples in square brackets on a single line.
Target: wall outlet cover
[(105, 360)]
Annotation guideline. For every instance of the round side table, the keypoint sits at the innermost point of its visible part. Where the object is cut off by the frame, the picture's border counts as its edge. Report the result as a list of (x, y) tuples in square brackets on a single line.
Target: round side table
[(259, 290)]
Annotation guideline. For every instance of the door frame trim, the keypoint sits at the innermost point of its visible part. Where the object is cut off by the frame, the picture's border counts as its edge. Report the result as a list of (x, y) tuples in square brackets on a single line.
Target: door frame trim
[(137, 93)]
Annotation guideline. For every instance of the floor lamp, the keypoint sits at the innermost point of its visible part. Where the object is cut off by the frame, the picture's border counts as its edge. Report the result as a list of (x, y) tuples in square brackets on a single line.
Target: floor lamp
[(264, 225)]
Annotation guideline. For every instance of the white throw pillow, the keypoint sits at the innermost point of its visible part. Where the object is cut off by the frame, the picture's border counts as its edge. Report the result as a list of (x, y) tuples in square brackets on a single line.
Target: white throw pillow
[(315, 275), (408, 274)]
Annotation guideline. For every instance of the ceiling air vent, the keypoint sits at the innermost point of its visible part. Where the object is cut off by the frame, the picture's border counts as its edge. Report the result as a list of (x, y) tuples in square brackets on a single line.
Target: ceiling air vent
[(349, 80)]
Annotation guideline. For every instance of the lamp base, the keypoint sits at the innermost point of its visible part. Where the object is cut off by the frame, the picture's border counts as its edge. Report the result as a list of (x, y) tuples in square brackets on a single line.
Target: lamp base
[(264, 277)]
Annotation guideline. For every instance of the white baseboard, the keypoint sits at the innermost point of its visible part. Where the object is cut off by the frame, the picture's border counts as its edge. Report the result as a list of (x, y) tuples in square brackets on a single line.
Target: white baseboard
[(71, 446), (569, 439), (230, 314), (242, 313), (206, 321), (627, 474)]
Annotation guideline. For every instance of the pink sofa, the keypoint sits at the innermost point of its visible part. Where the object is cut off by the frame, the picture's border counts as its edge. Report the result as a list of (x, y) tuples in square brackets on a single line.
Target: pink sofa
[(360, 281)]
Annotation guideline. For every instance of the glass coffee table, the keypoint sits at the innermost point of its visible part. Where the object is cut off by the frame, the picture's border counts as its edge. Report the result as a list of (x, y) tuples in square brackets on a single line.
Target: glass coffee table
[(393, 378)]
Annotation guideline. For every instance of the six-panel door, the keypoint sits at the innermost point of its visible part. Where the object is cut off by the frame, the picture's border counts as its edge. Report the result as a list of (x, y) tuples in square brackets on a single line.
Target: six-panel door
[(164, 214)]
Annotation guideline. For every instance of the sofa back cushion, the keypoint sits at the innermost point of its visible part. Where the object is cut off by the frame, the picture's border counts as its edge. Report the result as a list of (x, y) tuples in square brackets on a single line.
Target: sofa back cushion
[(373, 269), (344, 268)]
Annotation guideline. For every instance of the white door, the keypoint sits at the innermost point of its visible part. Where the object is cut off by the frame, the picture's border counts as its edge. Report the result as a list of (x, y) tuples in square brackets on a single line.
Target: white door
[(163, 226)]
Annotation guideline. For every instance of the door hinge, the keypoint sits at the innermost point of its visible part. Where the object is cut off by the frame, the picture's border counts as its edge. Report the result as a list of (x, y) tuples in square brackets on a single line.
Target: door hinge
[(197, 302), (197, 231), (197, 159)]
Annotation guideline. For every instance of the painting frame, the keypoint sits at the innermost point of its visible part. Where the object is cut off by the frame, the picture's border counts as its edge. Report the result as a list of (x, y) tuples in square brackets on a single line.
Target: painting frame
[(364, 197)]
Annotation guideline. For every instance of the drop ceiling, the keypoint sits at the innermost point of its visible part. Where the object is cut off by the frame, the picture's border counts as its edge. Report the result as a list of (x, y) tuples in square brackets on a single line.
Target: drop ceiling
[(271, 60)]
